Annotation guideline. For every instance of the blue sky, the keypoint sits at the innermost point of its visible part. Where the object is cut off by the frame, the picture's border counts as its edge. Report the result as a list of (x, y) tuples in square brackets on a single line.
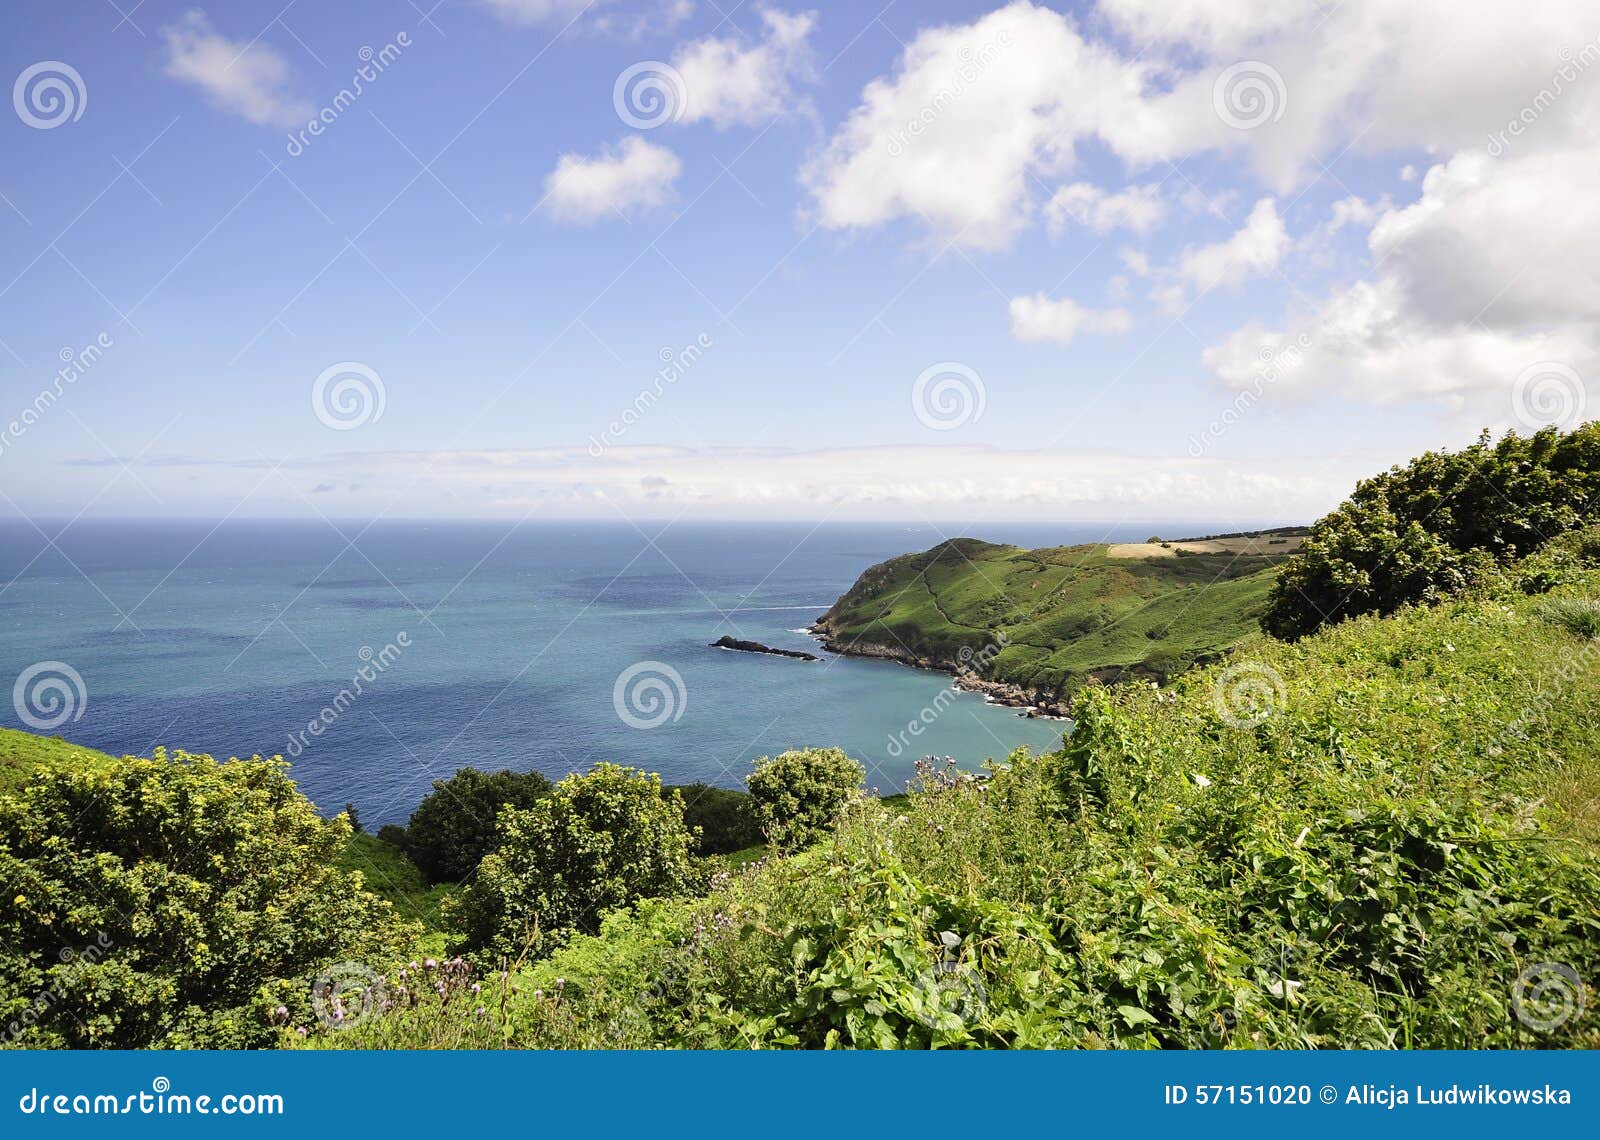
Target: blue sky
[(510, 312)]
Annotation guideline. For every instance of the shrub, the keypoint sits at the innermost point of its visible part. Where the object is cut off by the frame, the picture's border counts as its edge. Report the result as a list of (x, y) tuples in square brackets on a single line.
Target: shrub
[(454, 825), (799, 793), (597, 842), (1436, 526), (726, 820), (172, 903)]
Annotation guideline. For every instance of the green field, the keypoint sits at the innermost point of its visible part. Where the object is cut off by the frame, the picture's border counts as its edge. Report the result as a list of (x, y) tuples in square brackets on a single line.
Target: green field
[(1067, 614), (22, 754)]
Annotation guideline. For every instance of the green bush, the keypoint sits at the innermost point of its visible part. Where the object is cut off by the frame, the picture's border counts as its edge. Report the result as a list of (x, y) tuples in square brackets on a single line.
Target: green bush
[(1436, 526), (725, 820), (599, 841), (799, 793), (172, 903), (454, 825)]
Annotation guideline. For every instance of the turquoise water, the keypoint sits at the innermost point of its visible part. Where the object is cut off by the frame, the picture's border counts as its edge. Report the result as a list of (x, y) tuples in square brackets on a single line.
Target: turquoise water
[(485, 645)]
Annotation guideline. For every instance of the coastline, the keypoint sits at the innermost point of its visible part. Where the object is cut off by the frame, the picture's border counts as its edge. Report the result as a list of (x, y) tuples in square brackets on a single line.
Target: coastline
[(1031, 702)]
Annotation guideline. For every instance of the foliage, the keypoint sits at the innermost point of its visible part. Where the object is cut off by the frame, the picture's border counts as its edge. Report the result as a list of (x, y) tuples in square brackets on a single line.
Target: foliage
[(1067, 615), (1438, 525), (171, 902), (725, 821), (599, 841), (454, 825), (798, 794)]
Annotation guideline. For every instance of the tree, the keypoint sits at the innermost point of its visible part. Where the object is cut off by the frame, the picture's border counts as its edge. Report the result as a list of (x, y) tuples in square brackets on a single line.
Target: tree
[(799, 793), (354, 818), (724, 820), (597, 842), (1432, 528), (453, 827), (173, 903)]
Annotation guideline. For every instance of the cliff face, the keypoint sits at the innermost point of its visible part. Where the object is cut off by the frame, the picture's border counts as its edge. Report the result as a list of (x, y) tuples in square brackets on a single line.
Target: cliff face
[(1029, 627)]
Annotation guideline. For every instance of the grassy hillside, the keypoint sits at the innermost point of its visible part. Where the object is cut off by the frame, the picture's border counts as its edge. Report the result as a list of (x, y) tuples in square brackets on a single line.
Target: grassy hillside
[(1383, 835), (1066, 613), (22, 753)]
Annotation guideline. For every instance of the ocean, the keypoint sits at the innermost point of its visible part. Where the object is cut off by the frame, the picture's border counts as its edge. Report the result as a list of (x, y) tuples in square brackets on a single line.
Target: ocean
[(416, 648)]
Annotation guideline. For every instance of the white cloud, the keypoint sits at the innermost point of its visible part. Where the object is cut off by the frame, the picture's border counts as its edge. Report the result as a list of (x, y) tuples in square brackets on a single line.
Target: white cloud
[(637, 175), (1484, 276), (1039, 318), (248, 79), (1137, 208), (729, 84), (530, 12), (1254, 249), (971, 115), (868, 482)]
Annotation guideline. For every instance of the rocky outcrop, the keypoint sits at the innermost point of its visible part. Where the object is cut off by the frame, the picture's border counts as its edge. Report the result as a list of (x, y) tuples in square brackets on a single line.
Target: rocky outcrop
[(1034, 702), (726, 642)]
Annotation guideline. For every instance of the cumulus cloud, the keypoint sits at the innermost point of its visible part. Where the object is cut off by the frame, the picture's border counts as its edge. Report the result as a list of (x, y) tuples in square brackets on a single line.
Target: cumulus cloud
[(971, 115), (636, 175), (1486, 275), (1254, 249), (730, 84), (248, 79), (974, 115), (1039, 318), (1137, 208)]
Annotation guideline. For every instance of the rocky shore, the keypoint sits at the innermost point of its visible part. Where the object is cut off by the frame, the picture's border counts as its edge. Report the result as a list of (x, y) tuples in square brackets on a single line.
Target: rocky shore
[(1033, 702)]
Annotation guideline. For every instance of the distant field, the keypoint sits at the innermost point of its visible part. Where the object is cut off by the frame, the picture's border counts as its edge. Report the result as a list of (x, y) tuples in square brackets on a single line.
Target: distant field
[(1263, 544)]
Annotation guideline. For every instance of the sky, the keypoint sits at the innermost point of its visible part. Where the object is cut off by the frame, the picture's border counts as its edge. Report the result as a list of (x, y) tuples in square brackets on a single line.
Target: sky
[(672, 259)]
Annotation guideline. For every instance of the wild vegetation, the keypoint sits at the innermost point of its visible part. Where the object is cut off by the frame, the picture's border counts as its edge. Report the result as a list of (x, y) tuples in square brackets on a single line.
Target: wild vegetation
[(1384, 833), (1432, 528)]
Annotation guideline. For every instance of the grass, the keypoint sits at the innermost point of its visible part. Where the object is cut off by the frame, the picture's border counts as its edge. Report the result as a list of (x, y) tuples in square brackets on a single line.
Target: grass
[(390, 875), (1068, 614), (22, 753)]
